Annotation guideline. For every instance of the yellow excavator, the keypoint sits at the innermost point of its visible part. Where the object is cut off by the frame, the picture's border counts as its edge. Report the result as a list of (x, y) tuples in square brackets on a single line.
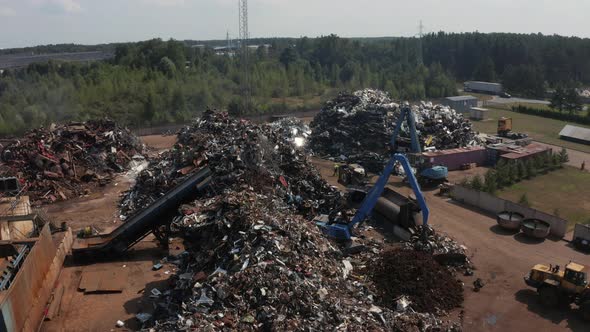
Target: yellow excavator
[(562, 286), (504, 126)]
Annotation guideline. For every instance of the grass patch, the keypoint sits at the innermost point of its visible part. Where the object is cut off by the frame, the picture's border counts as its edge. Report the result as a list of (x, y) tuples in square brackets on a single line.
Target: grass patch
[(565, 190), (303, 103), (541, 129), (508, 106)]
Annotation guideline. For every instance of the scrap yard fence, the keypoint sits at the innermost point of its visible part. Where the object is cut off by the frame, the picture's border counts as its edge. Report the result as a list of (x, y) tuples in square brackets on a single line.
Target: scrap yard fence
[(494, 205)]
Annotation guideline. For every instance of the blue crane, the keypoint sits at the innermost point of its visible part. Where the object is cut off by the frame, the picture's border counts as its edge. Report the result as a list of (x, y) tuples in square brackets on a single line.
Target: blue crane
[(343, 232), (426, 173), (406, 114)]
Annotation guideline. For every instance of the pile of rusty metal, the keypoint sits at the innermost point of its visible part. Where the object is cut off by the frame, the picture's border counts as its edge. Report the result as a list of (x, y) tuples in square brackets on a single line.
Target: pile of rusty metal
[(292, 130), (415, 274), (252, 264), (357, 128), (444, 249), (352, 125), (67, 160), (253, 259), (239, 152)]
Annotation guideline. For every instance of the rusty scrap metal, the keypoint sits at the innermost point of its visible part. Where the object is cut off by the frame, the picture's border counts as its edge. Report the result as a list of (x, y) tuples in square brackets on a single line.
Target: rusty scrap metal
[(67, 160), (253, 259)]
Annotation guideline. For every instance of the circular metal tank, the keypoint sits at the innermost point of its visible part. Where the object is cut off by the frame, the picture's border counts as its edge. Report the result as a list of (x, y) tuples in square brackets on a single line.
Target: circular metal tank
[(509, 220), (535, 228)]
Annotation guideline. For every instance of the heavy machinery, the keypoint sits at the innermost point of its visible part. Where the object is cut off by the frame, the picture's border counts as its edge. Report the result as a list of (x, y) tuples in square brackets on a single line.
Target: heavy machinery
[(504, 126), (556, 286), (581, 239), (426, 173), (352, 174), (505, 130), (342, 230), (153, 219), (339, 230), (483, 87)]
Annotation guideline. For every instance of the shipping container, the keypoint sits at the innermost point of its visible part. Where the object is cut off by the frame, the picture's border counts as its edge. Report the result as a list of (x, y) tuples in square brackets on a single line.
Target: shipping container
[(485, 87), (581, 238), (582, 231), (453, 159), (461, 104)]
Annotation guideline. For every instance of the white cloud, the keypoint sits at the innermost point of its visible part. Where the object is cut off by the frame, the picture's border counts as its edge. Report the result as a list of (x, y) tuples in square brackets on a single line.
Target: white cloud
[(67, 6), (5, 12)]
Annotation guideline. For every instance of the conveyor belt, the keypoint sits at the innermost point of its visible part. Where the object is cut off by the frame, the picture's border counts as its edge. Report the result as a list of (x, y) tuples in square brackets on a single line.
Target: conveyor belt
[(145, 222)]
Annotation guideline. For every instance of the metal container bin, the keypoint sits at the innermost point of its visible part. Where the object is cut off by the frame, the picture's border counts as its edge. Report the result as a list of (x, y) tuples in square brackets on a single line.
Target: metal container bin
[(509, 220), (535, 228)]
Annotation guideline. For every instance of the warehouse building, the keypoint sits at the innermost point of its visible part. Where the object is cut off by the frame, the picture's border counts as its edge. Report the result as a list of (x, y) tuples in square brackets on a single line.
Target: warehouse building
[(512, 152), (575, 134), (455, 159), (461, 104)]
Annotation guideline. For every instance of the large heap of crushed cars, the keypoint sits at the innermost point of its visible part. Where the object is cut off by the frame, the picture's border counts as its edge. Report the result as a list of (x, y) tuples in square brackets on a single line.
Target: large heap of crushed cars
[(67, 160), (254, 261), (357, 127)]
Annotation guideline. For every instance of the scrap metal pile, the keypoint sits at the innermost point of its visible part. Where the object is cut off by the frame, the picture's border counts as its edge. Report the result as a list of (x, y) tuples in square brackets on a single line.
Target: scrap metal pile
[(357, 127), (252, 265), (254, 261), (65, 161), (429, 285), (265, 157)]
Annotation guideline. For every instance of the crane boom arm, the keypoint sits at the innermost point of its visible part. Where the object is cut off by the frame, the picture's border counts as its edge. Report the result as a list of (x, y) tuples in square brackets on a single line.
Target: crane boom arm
[(406, 113), (372, 197)]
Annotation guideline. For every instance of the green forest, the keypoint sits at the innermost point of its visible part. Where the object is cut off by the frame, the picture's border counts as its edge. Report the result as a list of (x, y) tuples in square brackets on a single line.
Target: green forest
[(159, 82)]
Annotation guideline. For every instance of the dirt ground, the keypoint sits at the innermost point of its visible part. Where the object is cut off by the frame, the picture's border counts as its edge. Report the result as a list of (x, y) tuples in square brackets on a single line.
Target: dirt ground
[(159, 142), (100, 312), (458, 176), (502, 260)]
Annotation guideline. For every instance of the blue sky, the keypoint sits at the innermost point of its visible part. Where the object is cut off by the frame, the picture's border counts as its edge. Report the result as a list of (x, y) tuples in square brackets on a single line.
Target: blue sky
[(34, 22)]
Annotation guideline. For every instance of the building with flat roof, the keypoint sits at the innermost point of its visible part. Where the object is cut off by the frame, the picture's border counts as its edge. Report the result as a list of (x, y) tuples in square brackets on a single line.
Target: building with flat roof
[(478, 113), (575, 134), (511, 152), (461, 104), (454, 159)]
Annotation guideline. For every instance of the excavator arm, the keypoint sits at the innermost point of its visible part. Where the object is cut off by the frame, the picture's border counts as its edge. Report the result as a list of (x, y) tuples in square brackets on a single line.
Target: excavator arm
[(406, 114), (344, 231)]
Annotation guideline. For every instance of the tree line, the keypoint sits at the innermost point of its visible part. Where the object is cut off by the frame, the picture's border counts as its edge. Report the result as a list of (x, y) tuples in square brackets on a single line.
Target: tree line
[(526, 64), (507, 173), (569, 116), (157, 82)]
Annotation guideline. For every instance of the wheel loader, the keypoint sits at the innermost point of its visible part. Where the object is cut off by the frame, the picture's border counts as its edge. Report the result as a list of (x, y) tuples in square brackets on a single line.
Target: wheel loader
[(562, 286)]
